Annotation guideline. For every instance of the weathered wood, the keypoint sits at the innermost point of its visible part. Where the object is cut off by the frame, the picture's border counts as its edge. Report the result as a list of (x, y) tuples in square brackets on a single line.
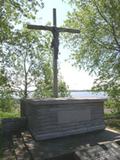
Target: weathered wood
[(68, 30), (39, 27), (54, 17), (55, 45), (51, 29)]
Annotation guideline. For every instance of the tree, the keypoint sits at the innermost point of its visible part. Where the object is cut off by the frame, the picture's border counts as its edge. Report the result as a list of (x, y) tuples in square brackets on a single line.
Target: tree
[(44, 87), (29, 65), (25, 56), (97, 49), (26, 59), (63, 88), (13, 15), (6, 100)]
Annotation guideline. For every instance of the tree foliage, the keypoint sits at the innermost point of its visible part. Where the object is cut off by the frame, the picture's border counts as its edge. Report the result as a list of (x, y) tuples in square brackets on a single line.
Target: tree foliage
[(97, 49), (13, 15), (7, 102), (25, 60), (44, 87), (25, 55)]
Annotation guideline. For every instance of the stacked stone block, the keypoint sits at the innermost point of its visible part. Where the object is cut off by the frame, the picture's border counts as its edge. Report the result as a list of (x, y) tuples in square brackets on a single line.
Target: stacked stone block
[(52, 118)]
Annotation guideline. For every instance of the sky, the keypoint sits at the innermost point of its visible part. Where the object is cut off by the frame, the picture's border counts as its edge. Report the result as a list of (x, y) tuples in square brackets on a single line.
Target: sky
[(76, 79)]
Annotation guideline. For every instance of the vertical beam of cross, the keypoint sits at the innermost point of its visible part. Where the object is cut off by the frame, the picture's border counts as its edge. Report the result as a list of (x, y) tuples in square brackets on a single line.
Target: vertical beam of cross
[(55, 45), (55, 54)]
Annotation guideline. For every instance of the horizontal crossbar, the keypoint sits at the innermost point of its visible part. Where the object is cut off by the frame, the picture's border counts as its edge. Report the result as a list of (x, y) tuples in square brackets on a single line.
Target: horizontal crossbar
[(50, 28), (36, 27)]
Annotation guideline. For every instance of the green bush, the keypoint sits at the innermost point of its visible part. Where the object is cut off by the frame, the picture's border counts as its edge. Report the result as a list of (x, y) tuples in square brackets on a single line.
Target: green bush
[(113, 123), (114, 105), (112, 115)]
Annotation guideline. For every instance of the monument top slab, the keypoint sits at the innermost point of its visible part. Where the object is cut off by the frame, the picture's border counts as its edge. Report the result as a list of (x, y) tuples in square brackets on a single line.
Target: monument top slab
[(65, 100)]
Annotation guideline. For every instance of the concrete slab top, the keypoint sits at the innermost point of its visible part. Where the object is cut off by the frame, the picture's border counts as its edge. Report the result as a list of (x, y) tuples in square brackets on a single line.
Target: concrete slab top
[(65, 100)]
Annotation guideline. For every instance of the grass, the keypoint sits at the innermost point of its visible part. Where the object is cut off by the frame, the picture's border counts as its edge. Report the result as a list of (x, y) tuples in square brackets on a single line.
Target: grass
[(112, 115), (9, 114), (112, 120), (113, 123)]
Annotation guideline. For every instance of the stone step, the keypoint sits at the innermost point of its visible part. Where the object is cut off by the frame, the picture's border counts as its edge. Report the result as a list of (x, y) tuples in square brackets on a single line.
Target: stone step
[(108, 151), (20, 149)]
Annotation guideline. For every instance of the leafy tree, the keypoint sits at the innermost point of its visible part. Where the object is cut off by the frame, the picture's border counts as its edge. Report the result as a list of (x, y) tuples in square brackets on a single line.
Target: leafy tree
[(97, 49), (26, 59), (7, 102), (63, 89), (30, 65), (13, 14), (44, 87), (25, 55)]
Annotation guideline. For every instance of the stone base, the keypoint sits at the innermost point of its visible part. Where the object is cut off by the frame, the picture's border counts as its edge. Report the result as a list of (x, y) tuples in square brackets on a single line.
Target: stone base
[(13, 126), (52, 118)]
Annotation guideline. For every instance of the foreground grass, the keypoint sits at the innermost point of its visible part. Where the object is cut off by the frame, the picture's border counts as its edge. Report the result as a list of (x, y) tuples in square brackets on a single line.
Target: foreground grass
[(112, 115), (113, 123), (9, 114), (112, 120)]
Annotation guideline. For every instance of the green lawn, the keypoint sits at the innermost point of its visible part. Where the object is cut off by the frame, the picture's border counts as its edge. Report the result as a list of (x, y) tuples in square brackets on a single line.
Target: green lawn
[(9, 114), (112, 120)]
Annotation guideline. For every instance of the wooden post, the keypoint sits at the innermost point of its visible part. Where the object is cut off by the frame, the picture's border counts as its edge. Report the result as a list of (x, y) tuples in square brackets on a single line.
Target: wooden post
[(55, 55), (54, 18), (55, 45)]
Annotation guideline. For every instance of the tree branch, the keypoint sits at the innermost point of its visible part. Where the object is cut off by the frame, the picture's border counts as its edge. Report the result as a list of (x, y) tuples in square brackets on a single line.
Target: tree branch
[(115, 37), (105, 45), (100, 13), (111, 25)]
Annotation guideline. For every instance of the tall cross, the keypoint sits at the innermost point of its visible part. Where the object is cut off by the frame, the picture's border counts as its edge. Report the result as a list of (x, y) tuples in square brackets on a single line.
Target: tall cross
[(55, 45)]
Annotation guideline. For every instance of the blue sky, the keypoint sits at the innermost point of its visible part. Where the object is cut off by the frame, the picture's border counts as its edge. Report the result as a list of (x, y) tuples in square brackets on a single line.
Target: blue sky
[(74, 78), (46, 13)]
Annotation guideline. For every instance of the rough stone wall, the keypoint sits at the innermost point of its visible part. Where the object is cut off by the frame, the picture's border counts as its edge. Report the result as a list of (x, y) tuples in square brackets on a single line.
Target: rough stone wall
[(13, 126), (57, 120)]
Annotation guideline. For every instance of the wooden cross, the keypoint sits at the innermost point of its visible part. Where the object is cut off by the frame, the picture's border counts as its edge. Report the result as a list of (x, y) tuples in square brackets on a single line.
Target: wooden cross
[(55, 45)]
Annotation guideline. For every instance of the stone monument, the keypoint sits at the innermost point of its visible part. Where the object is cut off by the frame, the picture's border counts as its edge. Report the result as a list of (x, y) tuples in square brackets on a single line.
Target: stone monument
[(57, 117)]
